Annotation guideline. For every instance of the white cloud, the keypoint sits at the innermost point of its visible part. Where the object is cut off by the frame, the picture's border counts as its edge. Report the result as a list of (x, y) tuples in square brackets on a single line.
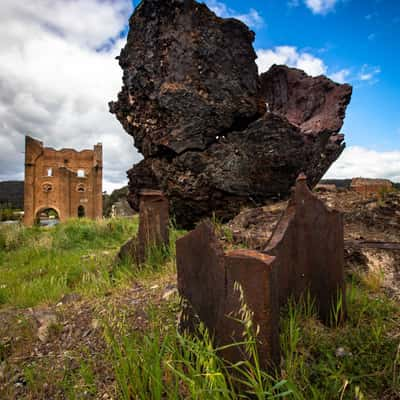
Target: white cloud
[(341, 76), (314, 66), (252, 18), (369, 73), (321, 6), (85, 22), (55, 81), (359, 161), (292, 57)]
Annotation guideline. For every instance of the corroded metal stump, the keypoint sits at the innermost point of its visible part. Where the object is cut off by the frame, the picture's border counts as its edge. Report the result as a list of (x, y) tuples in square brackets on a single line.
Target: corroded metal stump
[(206, 278), (308, 243), (153, 226), (153, 221), (305, 253)]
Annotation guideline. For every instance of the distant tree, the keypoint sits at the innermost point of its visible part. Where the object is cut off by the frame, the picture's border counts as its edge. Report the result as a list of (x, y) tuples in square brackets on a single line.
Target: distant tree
[(109, 200)]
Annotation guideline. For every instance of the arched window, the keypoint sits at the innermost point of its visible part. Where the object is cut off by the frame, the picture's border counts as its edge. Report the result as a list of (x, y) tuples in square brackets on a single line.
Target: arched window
[(81, 212), (81, 173), (80, 188)]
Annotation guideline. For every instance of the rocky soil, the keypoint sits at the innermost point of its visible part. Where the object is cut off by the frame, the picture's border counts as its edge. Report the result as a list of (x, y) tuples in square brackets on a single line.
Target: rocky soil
[(370, 222), (41, 349)]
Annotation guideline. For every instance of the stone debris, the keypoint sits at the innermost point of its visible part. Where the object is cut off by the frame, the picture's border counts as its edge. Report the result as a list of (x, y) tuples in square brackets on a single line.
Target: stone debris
[(169, 293), (305, 253), (45, 320), (215, 135)]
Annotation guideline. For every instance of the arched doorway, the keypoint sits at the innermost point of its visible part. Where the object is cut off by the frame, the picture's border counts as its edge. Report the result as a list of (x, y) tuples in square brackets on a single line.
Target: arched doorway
[(47, 217), (81, 212)]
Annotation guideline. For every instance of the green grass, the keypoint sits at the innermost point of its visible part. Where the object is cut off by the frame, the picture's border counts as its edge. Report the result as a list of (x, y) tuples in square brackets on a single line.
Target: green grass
[(167, 364), (163, 363), (368, 340), (155, 361), (40, 265)]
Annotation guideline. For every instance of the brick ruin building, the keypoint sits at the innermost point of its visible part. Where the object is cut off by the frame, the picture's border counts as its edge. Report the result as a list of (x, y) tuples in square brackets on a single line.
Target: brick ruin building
[(66, 181), (369, 186)]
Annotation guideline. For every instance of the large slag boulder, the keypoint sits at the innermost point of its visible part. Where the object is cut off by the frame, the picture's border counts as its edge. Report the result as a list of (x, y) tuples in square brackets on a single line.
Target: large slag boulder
[(216, 136)]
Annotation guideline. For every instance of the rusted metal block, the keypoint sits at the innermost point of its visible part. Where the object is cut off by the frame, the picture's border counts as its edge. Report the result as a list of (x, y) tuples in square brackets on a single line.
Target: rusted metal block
[(153, 227), (309, 247), (201, 275), (256, 274), (206, 279), (305, 253), (153, 222)]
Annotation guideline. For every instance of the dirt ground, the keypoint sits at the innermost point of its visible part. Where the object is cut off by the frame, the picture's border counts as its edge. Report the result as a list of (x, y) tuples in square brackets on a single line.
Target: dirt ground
[(370, 222), (42, 348)]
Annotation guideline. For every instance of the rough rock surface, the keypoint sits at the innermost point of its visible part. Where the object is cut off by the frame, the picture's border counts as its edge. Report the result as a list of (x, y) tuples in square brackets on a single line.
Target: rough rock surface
[(197, 110), (316, 105)]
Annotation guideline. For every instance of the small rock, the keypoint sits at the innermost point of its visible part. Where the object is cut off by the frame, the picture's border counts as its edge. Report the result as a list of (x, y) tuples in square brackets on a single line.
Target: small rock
[(341, 352), (45, 320), (169, 293), (70, 298), (95, 324), (2, 370), (87, 333)]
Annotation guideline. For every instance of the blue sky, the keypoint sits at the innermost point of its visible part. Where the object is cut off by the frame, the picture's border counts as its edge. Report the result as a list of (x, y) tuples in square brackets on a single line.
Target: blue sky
[(351, 41), (356, 37), (58, 72)]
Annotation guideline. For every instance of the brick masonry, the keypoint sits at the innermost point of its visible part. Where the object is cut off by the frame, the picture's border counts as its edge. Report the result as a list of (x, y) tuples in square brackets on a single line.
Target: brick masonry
[(52, 181)]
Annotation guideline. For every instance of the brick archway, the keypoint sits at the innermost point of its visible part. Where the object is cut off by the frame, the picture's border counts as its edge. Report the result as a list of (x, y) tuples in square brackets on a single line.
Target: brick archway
[(39, 210)]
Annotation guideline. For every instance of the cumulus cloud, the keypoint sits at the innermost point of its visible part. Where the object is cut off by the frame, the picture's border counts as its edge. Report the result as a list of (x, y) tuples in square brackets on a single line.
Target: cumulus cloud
[(316, 6), (314, 66), (57, 73), (341, 76), (292, 57), (321, 6), (359, 161), (252, 18)]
